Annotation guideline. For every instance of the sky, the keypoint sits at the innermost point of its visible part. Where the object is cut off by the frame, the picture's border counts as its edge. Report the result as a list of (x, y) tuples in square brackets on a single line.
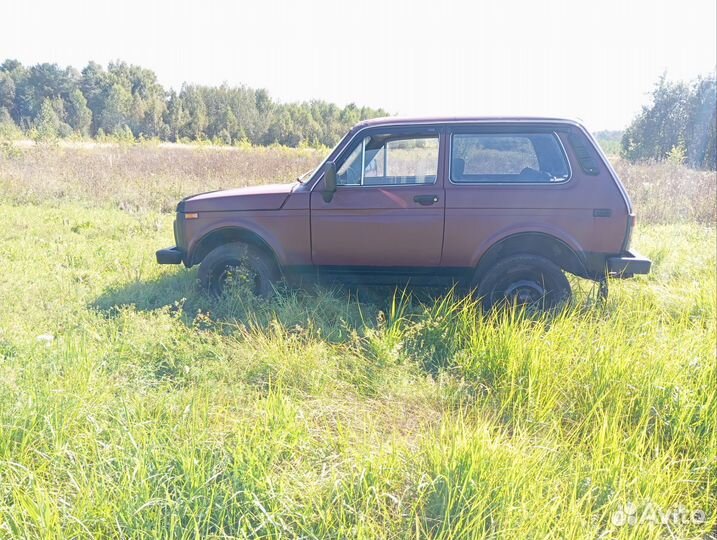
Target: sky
[(592, 60)]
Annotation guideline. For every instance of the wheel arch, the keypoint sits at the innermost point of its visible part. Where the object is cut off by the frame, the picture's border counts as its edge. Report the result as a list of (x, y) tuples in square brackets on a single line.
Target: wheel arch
[(532, 243), (226, 235)]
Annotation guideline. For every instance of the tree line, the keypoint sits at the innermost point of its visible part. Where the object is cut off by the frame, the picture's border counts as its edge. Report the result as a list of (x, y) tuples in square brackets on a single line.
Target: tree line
[(46, 100), (680, 124), (127, 101)]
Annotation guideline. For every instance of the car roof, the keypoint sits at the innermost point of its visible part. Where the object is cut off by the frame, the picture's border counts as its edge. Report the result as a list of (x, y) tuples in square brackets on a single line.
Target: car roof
[(408, 121)]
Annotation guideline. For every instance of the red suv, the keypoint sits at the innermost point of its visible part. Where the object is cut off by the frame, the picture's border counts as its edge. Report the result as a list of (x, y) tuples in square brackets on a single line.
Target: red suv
[(503, 205)]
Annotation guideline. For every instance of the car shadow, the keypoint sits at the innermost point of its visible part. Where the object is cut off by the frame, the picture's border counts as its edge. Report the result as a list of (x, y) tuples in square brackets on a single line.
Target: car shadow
[(181, 293), (168, 290), (335, 311)]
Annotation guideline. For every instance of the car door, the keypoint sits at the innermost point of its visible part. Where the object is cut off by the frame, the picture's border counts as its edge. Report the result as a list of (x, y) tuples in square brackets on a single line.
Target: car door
[(388, 207)]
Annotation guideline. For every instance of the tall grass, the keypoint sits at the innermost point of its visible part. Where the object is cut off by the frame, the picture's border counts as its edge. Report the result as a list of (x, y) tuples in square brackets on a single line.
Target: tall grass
[(133, 406), (144, 176), (667, 192)]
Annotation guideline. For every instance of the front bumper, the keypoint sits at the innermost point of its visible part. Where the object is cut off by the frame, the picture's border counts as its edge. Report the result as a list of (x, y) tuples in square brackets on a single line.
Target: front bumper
[(628, 264), (172, 255)]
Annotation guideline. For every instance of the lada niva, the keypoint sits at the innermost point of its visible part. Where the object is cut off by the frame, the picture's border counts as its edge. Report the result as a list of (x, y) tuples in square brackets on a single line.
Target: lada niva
[(505, 206)]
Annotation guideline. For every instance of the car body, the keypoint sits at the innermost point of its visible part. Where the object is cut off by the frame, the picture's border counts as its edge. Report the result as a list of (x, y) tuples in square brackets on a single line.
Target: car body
[(429, 200)]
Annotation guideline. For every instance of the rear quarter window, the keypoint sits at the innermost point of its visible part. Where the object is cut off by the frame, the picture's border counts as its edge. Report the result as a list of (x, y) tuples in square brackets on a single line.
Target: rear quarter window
[(585, 153), (507, 158)]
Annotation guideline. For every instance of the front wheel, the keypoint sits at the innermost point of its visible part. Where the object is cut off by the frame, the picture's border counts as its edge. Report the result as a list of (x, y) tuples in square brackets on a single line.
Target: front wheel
[(238, 264), (531, 281)]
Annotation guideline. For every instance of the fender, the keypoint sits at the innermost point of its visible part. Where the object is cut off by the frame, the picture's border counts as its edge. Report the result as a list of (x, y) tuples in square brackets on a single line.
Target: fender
[(548, 233), (233, 223)]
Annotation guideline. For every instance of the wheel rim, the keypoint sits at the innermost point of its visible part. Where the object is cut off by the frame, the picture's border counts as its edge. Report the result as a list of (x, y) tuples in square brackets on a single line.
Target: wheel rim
[(524, 293), (237, 273)]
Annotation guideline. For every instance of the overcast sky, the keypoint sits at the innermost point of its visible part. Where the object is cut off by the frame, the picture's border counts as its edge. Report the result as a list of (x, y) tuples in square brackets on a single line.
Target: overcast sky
[(594, 60)]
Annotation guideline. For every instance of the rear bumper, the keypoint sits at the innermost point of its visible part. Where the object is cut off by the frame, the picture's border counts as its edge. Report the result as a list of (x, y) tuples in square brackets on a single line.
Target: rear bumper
[(172, 255), (628, 264)]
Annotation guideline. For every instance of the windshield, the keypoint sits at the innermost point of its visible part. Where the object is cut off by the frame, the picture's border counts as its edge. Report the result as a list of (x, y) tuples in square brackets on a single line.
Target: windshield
[(308, 174)]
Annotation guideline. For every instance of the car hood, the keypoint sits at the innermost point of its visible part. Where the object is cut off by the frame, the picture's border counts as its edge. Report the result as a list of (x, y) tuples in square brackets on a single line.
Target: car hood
[(266, 197)]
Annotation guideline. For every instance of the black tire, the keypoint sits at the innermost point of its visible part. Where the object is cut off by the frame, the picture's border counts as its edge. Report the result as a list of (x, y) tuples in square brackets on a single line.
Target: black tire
[(256, 266), (527, 280)]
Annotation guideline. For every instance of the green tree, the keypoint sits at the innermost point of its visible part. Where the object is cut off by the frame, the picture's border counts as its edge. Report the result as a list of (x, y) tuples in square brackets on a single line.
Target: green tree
[(680, 121), (17, 72), (147, 107), (48, 122), (115, 114), (197, 119), (42, 81), (7, 91), (94, 86), (702, 125), (281, 130), (175, 117), (79, 115)]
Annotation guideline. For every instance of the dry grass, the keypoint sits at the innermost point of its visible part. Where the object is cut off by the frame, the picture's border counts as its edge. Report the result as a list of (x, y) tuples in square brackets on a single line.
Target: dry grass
[(143, 177), (146, 177), (668, 193)]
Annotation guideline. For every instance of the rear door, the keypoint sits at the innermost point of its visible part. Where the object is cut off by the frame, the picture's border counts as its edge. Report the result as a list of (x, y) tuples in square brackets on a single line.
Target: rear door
[(388, 208)]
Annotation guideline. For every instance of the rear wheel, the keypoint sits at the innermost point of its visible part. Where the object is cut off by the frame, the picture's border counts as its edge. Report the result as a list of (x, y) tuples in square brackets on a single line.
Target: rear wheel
[(531, 281), (241, 265)]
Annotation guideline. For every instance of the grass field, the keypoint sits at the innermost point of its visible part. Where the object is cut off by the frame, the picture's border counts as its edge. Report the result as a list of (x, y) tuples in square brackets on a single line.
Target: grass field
[(133, 406)]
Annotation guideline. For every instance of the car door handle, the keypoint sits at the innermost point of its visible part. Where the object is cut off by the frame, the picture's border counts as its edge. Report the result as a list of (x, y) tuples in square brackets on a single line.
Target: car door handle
[(426, 200)]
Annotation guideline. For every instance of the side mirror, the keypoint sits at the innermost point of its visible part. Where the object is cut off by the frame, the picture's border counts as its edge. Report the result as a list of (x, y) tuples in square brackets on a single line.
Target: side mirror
[(329, 181)]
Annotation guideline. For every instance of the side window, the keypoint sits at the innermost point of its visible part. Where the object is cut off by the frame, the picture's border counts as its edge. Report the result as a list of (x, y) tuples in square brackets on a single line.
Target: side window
[(585, 154), (380, 160), (349, 174), (507, 158)]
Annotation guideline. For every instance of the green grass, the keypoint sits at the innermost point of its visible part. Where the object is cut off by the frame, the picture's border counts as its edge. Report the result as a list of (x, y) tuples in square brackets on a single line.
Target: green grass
[(154, 411)]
